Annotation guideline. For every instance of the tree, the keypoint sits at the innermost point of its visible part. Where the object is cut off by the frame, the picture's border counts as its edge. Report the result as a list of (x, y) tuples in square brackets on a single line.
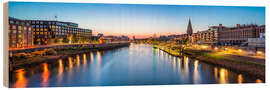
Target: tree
[(65, 40), (186, 41), (80, 40), (56, 40), (74, 39)]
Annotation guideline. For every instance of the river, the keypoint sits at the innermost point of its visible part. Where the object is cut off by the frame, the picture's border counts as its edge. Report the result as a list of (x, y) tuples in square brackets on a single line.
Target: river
[(138, 64)]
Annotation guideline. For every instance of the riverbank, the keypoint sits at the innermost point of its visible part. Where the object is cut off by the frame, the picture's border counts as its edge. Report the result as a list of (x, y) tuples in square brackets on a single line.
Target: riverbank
[(238, 64), (49, 55)]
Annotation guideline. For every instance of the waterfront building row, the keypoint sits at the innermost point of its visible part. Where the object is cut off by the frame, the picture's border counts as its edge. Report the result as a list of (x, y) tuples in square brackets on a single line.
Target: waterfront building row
[(221, 35), (44, 30), (26, 33)]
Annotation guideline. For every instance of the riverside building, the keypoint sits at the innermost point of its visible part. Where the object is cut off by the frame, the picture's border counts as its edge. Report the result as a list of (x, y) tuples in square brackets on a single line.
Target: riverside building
[(20, 33), (244, 35), (239, 34), (46, 30)]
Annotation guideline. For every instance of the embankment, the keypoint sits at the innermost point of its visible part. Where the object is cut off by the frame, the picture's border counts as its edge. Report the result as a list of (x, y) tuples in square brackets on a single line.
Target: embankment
[(61, 51), (235, 64)]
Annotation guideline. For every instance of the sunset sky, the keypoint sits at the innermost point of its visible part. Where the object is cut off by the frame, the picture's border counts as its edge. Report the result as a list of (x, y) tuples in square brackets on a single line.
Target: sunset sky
[(140, 20)]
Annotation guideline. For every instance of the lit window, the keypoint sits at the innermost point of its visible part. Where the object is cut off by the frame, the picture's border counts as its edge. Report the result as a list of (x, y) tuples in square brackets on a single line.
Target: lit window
[(14, 31), (11, 21), (19, 31), (13, 26)]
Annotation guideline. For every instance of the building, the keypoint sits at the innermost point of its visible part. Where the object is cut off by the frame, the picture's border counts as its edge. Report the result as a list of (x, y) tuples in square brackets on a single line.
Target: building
[(46, 30), (239, 34), (20, 33), (187, 35), (189, 28), (209, 36)]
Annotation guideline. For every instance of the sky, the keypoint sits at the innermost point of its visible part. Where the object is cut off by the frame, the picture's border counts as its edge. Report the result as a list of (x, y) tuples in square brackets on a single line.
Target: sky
[(138, 19)]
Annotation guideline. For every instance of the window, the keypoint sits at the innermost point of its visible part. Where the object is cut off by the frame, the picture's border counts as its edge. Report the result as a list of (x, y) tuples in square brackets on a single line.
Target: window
[(11, 22), (19, 36), (13, 26), (17, 22), (14, 31), (19, 31), (19, 27), (22, 23)]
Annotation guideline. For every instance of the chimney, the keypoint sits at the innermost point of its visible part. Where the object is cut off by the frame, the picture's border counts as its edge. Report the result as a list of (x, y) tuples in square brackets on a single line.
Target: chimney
[(238, 25), (220, 27)]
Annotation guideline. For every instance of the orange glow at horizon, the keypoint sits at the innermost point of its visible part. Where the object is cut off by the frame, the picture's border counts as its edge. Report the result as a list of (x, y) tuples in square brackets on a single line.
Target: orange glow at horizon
[(139, 35)]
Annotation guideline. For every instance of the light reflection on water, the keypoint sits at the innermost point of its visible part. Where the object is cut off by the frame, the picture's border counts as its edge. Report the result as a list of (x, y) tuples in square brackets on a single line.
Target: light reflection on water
[(21, 79), (45, 75), (134, 65)]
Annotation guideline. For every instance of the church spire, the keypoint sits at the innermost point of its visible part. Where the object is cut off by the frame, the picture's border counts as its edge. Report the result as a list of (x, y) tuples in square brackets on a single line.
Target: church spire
[(189, 28)]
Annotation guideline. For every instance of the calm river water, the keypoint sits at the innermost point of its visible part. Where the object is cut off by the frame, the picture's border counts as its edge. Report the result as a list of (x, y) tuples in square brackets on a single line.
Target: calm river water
[(138, 64)]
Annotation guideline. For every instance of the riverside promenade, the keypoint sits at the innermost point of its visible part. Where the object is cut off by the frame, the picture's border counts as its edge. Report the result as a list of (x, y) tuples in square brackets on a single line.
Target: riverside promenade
[(50, 53), (57, 46)]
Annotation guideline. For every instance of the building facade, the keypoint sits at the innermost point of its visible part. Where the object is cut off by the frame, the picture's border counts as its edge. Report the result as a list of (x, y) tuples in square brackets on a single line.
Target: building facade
[(20, 33), (45, 30), (209, 36), (239, 34), (189, 28)]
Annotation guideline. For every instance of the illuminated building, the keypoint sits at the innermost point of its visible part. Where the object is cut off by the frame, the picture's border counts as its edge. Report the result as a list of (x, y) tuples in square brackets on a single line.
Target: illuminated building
[(20, 33), (46, 30)]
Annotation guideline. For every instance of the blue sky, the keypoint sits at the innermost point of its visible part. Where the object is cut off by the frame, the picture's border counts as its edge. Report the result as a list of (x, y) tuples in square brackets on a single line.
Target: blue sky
[(138, 19)]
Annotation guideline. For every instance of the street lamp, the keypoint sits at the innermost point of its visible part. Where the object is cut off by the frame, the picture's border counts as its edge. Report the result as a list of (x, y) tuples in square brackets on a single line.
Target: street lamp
[(240, 50), (216, 48), (259, 52)]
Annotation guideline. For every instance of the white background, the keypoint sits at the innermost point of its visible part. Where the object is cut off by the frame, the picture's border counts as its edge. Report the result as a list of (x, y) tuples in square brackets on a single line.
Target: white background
[(265, 3)]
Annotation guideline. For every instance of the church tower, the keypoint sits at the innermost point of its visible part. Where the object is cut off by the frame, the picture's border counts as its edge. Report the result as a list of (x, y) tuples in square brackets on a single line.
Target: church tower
[(189, 28)]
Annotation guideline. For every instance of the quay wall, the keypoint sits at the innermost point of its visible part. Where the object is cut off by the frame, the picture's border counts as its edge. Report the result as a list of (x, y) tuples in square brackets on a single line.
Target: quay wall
[(89, 46)]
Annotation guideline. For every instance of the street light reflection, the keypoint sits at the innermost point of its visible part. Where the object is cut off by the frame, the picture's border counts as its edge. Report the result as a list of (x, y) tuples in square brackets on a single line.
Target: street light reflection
[(78, 60), (240, 79), (223, 73), (196, 72), (70, 63), (21, 80), (45, 75)]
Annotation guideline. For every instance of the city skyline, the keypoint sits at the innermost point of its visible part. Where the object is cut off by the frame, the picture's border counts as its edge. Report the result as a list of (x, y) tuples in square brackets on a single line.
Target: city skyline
[(138, 19)]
